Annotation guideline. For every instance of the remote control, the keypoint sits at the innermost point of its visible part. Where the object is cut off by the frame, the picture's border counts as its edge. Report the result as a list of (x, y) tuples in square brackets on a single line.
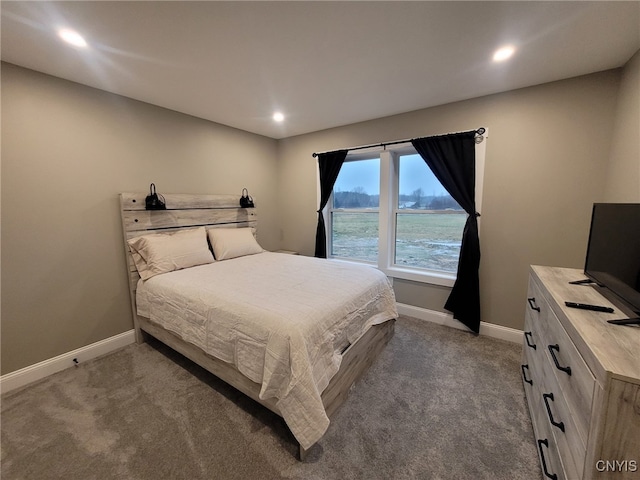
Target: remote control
[(625, 321), (585, 281), (586, 306)]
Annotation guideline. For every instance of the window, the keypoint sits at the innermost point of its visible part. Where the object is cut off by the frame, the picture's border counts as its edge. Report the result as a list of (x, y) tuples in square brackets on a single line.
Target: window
[(355, 210), (388, 209)]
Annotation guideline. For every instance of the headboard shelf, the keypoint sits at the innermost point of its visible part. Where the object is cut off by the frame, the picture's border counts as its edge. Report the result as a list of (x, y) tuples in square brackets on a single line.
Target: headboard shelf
[(180, 201)]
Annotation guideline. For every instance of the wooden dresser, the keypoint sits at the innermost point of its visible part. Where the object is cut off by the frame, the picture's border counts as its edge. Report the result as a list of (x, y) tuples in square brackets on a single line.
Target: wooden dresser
[(581, 377)]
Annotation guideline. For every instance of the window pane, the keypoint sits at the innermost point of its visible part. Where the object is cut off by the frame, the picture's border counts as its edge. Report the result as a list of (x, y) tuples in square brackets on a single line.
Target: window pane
[(355, 235), (358, 185), (430, 240), (419, 188)]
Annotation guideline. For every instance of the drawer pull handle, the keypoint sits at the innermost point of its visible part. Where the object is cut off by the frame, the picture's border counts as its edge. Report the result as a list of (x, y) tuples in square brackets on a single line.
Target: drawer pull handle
[(549, 396), (545, 442), (532, 304), (527, 336), (556, 347), (524, 377)]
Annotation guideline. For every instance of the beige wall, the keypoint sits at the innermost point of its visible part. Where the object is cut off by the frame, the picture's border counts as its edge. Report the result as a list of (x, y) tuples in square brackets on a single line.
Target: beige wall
[(67, 151), (545, 160), (623, 172)]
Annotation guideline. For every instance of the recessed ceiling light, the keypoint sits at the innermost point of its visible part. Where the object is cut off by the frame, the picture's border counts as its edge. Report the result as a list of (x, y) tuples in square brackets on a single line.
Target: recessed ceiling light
[(278, 117), (503, 53), (72, 37)]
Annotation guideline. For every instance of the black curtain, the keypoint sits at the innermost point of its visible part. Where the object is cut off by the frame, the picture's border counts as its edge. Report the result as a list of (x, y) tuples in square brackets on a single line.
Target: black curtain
[(329, 165), (452, 159)]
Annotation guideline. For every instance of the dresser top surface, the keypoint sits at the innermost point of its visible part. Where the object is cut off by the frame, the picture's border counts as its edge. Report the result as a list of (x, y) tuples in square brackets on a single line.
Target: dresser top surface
[(607, 348)]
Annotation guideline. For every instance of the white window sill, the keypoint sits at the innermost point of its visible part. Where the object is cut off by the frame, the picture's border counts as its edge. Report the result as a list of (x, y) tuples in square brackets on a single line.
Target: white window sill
[(415, 275), (422, 276)]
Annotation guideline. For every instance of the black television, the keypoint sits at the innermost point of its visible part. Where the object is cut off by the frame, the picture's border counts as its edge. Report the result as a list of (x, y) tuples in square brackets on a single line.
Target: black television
[(613, 254)]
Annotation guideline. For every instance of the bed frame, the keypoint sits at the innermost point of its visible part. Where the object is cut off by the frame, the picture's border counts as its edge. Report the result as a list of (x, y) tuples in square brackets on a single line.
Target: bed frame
[(216, 211)]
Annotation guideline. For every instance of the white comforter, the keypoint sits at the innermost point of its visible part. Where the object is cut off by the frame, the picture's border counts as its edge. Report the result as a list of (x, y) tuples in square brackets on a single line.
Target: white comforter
[(282, 320)]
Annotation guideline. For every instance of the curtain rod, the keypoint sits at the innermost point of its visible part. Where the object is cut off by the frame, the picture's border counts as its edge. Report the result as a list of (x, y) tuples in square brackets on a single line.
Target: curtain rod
[(480, 131)]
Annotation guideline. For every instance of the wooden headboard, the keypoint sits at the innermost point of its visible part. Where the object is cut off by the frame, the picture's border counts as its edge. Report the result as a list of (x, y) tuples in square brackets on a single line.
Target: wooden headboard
[(183, 211)]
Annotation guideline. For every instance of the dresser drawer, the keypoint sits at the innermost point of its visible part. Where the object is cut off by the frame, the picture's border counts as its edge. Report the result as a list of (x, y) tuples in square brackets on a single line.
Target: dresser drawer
[(532, 342), (552, 413), (531, 371), (533, 350), (570, 444), (572, 376), (545, 442)]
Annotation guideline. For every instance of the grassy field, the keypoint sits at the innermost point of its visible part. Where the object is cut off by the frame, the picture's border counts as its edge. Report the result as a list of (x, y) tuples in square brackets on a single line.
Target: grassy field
[(429, 241)]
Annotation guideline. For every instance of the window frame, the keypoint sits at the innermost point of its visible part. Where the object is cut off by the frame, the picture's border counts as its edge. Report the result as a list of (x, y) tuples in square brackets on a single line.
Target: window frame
[(388, 210)]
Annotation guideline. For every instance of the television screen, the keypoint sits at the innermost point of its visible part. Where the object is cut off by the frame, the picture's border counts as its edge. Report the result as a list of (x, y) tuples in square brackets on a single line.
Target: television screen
[(613, 251)]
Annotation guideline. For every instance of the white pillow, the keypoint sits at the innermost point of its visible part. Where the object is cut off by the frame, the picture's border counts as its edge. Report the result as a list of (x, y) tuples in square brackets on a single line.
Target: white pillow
[(233, 242), (165, 252)]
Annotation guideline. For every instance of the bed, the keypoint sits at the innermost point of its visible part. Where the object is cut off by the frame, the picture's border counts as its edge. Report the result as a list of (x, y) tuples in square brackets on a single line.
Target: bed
[(291, 332)]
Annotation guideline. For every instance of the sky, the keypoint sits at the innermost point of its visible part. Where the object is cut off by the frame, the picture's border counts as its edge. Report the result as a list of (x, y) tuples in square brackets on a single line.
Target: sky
[(414, 174)]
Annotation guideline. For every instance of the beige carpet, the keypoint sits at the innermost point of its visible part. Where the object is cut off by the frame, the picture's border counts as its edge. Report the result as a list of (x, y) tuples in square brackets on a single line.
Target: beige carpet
[(438, 404)]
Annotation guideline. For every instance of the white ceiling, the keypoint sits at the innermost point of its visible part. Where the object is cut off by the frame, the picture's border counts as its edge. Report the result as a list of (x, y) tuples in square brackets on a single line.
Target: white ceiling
[(323, 64)]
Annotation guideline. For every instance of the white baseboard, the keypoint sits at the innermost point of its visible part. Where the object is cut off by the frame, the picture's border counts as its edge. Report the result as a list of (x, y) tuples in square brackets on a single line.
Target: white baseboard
[(40, 370), (446, 319)]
